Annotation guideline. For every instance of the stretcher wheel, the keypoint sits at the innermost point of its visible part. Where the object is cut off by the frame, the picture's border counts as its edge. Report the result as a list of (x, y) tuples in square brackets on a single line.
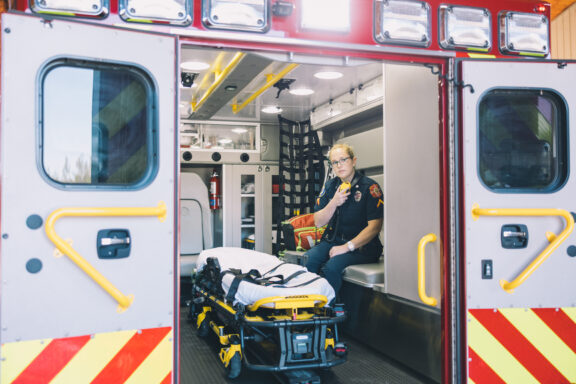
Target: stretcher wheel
[(234, 368), (204, 328)]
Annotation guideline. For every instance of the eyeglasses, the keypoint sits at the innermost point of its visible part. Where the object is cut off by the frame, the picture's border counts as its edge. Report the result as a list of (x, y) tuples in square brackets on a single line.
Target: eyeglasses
[(336, 163)]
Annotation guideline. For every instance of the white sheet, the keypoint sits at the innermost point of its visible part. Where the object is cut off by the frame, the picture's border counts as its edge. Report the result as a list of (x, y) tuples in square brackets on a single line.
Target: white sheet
[(245, 260)]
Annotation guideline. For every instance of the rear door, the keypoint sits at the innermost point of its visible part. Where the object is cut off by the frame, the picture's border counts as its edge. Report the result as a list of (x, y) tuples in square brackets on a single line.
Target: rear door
[(518, 188), (87, 203)]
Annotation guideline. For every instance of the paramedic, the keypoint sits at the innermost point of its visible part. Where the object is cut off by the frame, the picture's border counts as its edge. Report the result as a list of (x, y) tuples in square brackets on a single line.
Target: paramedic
[(353, 217)]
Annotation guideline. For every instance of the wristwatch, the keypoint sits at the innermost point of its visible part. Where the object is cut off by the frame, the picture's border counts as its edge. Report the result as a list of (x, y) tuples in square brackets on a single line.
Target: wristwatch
[(351, 247)]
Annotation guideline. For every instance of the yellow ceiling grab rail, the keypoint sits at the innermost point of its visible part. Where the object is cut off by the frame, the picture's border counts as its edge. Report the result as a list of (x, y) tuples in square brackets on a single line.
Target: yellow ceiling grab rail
[(555, 241), (429, 238), (270, 81), (220, 76), (64, 247)]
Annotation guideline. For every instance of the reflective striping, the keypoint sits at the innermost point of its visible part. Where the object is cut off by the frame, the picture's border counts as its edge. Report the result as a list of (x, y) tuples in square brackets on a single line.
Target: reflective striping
[(479, 371), (157, 366), (95, 355), (518, 345), (545, 341), (131, 356), (15, 357), (491, 351), (571, 313), (51, 360), (116, 357), (560, 324)]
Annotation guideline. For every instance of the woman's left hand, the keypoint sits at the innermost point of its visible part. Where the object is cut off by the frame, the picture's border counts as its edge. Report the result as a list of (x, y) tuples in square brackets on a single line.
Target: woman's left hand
[(338, 250)]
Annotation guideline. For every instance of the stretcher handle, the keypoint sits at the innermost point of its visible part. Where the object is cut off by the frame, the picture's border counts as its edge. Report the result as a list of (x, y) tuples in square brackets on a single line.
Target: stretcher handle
[(289, 302), (64, 247), (429, 238), (555, 241)]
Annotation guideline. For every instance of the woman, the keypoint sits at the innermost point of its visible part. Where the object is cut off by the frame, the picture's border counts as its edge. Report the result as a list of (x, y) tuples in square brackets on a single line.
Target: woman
[(354, 217)]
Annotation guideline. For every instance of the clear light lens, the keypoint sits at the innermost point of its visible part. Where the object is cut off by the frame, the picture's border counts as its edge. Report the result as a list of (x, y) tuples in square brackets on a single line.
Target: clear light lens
[(325, 15), (464, 27), (97, 8), (403, 22), (301, 91), (194, 66), (171, 11), (328, 75), (251, 15), (524, 33), (271, 109)]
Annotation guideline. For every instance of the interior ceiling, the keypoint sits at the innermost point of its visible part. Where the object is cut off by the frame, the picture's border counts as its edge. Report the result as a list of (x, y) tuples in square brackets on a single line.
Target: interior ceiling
[(355, 74)]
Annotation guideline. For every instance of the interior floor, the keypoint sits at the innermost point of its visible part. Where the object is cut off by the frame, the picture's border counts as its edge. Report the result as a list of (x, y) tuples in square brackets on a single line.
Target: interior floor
[(199, 363)]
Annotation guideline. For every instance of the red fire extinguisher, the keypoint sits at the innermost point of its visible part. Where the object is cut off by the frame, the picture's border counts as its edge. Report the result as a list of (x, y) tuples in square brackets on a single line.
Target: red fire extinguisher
[(215, 192)]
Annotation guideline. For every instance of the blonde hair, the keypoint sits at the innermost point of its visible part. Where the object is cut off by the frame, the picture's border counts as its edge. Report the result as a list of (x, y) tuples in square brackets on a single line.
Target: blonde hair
[(345, 147)]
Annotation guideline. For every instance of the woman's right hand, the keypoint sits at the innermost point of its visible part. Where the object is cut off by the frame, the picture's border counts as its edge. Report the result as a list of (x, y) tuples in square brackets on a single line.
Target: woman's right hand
[(340, 197)]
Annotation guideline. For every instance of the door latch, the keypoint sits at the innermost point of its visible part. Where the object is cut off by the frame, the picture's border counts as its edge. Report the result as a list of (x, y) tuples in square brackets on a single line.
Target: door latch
[(514, 236), (113, 243)]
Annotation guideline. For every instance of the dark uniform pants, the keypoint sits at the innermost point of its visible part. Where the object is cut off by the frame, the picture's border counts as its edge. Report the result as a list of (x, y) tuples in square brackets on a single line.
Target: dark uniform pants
[(331, 268)]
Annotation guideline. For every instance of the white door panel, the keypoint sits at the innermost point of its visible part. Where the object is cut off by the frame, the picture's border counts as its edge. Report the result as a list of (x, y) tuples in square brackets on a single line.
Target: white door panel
[(59, 299), (551, 284)]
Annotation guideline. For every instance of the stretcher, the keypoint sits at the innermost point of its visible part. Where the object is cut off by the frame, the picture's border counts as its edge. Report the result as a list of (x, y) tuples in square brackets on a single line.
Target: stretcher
[(268, 315)]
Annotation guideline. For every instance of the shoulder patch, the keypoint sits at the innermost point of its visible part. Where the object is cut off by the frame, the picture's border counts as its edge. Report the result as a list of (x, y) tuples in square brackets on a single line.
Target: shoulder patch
[(375, 191)]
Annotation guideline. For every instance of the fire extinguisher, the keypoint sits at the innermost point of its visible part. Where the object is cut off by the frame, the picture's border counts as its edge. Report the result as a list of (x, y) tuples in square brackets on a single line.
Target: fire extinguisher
[(215, 191)]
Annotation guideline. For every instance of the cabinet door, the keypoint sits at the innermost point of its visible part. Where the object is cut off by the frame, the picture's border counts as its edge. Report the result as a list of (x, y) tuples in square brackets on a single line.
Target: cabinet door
[(248, 206)]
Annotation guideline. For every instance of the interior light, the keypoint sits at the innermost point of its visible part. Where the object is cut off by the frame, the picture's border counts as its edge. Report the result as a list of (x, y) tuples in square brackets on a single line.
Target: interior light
[(244, 15), (239, 130), (326, 15), (194, 66), (177, 12), (225, 141), (524, 33), (301, 91), (465, 27), (271, 109), (328, 75), (402, 22), (93, 8)]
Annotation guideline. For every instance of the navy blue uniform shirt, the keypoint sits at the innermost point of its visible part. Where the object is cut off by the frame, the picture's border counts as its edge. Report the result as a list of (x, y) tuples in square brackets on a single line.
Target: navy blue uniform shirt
[(364, 203)]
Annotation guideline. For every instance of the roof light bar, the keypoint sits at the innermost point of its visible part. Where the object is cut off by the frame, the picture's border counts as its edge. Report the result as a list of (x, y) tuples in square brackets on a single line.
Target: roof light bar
[(177, 12), (524, 33), (86, 8), (404, 22), (325, 15), (240, 15), (465, 27)]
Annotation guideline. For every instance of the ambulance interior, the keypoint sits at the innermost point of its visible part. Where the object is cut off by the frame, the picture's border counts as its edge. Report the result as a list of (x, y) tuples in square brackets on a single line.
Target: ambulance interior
[(229, 106)]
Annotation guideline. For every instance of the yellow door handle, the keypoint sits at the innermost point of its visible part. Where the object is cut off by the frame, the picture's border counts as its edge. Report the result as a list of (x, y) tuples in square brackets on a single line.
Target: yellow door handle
[(64, 247), (555, 241), (429, 238)]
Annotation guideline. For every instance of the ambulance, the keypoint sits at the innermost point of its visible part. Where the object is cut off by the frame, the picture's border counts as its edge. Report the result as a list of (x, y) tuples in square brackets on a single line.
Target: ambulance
[(135, 134)]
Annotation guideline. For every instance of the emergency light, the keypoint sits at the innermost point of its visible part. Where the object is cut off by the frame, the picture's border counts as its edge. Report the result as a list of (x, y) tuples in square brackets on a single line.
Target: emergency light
[(178, 12), (90, 8), (465, 27), (325, 15), (402, 22), (524, 33), (241, 15)]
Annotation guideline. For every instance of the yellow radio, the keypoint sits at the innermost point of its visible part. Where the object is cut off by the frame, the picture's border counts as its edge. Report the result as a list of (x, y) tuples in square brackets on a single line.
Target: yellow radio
[(345, 186)]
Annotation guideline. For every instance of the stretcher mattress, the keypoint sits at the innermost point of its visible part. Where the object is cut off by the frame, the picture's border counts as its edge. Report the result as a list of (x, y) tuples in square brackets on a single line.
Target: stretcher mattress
[(246, 260)]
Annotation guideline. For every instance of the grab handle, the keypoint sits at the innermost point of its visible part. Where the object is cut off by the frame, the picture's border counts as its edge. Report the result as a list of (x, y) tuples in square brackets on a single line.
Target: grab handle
[(555, 241), (290, 302), (429, 238), (64, 247)]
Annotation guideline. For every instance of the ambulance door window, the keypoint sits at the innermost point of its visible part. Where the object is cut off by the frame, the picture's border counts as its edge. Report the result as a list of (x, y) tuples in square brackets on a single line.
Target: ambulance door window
[(98, 125), (522, 141)]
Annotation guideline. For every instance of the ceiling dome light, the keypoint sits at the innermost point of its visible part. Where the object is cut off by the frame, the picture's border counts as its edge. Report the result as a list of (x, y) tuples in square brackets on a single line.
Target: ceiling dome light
[(301, 91), (328, 75), (194, 65), (271, 109), (239, 130)]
